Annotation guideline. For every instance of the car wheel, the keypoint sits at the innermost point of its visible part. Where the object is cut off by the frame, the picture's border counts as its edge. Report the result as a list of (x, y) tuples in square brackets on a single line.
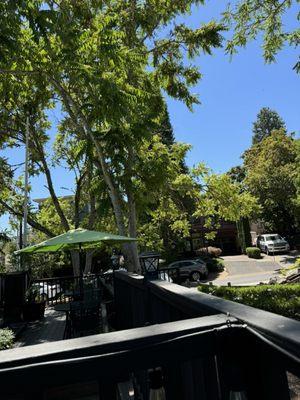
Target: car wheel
[(195, 276)]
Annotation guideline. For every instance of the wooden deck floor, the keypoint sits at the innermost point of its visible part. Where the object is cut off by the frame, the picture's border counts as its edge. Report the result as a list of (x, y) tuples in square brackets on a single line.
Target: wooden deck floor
[(50, 329)]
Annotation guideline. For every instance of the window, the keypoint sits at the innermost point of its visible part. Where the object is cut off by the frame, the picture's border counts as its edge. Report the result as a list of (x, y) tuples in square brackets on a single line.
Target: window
[(273, 237), (186, 263)]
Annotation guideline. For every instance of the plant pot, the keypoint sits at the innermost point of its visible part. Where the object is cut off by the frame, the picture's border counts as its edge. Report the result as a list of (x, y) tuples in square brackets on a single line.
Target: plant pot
[(34, 311)]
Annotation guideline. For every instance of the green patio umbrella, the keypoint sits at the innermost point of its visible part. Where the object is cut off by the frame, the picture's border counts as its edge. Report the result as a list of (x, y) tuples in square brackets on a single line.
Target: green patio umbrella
[(76, 239)]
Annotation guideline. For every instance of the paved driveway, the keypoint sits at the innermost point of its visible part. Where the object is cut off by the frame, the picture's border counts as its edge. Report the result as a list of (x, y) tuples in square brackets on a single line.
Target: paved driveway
[(240, 270)]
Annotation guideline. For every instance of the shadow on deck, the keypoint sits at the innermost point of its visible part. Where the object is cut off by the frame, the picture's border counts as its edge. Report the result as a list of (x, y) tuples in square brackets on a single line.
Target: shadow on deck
[(50, 329)]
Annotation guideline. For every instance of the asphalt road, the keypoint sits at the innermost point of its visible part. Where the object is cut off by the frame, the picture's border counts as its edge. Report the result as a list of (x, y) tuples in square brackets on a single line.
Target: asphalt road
[(242, 271)]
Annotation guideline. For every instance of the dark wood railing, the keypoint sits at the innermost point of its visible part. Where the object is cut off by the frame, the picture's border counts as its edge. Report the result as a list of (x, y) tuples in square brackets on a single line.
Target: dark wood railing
[(205, 347)]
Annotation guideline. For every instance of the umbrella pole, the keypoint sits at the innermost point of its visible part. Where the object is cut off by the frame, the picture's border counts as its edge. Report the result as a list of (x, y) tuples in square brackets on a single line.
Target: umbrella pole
[(81, 272)]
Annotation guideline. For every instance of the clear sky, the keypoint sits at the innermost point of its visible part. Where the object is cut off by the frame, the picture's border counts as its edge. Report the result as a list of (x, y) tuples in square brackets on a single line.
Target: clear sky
[(231, 95)]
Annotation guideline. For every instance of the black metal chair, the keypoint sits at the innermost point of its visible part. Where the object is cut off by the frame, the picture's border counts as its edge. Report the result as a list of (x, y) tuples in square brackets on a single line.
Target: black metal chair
[(84, 318)]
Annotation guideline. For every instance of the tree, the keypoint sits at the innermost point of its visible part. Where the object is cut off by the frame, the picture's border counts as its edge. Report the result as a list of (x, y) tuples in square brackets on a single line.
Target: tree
[(267, 121), (107, 62), (237, 173), (251, 18), (271, 169)]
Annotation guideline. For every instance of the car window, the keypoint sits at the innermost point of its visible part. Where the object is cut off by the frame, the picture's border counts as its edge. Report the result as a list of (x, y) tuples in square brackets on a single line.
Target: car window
[(174, 264), (273, 237), (186, 263)]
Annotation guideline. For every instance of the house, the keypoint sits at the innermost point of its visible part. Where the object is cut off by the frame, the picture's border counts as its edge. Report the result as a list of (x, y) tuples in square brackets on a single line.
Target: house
[(226, 237)]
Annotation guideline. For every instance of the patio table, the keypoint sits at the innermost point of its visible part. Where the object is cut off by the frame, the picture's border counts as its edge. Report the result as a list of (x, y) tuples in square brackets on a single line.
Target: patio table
[(66, 307), (88, 304)]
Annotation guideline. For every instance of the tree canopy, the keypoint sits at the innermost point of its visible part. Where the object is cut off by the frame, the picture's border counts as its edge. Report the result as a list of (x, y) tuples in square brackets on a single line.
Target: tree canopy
[(271, 171), (250, 19), (107, 65), (267, 121)]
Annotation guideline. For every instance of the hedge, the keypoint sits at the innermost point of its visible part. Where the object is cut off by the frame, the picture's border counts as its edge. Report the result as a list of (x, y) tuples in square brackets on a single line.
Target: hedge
[(213, 264), (279, 299), (6, 338), (253, 252)]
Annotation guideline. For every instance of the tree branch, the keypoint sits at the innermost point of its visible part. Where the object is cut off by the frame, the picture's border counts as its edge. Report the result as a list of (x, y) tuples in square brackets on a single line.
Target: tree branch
[(34, 224)]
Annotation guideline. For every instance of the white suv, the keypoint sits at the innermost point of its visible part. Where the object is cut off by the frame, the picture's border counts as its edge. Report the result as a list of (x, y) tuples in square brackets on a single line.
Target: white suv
[(272, 242)]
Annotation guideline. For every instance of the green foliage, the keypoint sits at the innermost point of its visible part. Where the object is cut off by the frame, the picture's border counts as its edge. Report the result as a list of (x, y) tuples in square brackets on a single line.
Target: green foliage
[(6, 339), (253, 252), (105, 65), (214, 264), (251, 18), (237, 174), (222, 199), (244, 235), (297, 263), (266, 122), (271, 171), (279, 299)]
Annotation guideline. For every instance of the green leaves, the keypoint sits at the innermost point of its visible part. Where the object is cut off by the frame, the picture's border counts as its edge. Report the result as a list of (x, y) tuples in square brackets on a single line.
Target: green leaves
[(250, 18), (271, 170)]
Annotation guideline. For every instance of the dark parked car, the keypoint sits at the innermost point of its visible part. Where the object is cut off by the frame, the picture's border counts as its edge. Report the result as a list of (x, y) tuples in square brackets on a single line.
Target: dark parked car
[(191, 269)]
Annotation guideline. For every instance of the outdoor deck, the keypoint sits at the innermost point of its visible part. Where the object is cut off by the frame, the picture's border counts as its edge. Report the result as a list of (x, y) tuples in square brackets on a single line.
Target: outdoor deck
[(51, 328)]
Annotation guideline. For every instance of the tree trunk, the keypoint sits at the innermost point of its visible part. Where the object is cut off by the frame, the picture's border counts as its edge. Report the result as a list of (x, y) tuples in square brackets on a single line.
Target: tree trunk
[(130, 251), (88, 261), (75, 262), (47, 173), (132, 225)]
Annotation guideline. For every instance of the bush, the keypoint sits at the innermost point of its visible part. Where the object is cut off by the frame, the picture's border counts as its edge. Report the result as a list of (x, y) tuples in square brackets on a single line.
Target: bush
[(6, 338), (213, 264), (297, 263), (253, 252), (210, 251), (279, 299)]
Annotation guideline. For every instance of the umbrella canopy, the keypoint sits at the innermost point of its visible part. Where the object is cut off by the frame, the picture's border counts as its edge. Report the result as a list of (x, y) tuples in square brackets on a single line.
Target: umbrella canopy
[(74, 239)]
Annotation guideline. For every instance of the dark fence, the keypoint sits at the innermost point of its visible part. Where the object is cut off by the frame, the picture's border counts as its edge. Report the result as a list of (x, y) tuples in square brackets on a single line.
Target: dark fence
[(273, 340), (205, 358), (63, 289), (203, 348)]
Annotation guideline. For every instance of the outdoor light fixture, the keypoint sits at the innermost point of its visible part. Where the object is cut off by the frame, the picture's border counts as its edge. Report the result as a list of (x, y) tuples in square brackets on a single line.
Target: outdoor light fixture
[(157, 391), (149, 262)]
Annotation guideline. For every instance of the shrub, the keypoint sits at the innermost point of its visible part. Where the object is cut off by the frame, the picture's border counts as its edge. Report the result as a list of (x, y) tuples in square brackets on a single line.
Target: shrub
[(210, 250), (279, 299), (6, 338), (253, 252), (213, 264), (297, 263)]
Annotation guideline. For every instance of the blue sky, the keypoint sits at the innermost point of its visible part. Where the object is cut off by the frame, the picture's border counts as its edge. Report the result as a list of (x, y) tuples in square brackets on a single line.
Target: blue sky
[(231, 95)]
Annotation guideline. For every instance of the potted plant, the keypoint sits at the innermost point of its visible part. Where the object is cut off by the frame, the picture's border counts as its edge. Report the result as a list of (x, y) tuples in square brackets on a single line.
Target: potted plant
[(34, 307)]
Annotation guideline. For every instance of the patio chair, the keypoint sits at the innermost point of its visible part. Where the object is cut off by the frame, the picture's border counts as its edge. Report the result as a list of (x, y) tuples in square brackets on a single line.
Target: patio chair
[(84, 318), (92, 295)]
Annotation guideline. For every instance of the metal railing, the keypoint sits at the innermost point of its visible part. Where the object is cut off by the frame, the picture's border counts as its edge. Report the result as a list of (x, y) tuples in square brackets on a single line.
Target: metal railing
[(63, 289)]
